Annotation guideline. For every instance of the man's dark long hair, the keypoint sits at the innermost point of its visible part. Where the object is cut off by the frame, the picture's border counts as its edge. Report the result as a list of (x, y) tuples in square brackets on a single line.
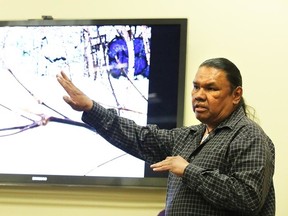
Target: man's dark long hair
[(233, 76)]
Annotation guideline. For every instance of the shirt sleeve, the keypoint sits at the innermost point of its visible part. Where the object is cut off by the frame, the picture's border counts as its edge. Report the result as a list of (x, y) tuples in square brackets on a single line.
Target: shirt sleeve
[(148, 143), (245, 186)]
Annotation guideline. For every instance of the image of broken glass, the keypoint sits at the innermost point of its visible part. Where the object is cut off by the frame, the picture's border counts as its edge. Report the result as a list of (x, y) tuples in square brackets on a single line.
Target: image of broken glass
[(39, 132)]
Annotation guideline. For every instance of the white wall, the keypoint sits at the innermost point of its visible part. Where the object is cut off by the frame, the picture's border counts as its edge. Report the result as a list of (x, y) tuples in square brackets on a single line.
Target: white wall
[(252, 33)]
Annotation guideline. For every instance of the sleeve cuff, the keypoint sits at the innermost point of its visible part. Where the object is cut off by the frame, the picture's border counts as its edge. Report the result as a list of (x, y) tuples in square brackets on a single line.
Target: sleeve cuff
[(192, 176)]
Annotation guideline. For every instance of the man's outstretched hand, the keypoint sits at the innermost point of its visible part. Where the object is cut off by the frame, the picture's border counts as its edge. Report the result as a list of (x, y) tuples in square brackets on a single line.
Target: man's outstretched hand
[(174, 164), (76, 99)]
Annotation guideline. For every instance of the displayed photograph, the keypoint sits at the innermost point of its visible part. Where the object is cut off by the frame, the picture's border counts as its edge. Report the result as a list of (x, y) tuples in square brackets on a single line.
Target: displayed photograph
[(39, 133)]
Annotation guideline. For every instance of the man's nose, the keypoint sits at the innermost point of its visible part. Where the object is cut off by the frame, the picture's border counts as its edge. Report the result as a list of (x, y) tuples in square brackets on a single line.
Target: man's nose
[(200, 94)]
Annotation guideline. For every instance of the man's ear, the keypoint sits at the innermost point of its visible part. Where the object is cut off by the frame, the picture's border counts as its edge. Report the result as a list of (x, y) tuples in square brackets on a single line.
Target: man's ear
[(237, 95)]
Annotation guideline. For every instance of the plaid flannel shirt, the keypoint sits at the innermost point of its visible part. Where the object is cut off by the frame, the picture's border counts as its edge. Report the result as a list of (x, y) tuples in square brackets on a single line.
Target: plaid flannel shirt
[(230, 173)]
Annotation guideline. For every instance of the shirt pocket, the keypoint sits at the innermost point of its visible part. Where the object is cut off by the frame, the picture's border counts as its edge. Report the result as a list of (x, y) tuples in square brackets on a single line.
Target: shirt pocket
[(212, 156)]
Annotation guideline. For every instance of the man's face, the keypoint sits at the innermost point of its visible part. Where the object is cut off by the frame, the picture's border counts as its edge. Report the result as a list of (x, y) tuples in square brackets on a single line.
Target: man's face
[(212, 98)]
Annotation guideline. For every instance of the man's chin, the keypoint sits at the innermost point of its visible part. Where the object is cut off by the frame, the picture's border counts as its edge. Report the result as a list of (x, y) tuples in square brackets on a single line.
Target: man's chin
[(201, 118)]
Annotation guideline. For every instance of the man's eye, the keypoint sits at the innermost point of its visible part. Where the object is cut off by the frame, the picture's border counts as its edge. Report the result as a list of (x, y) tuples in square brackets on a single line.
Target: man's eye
[(211, 89)]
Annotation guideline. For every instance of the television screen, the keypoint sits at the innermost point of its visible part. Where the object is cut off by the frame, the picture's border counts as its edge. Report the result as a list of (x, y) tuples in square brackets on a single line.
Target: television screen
[(134, 66)]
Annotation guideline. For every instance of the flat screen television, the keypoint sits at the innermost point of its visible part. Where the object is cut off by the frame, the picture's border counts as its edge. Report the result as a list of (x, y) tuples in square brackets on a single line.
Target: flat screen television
[(136, 66)]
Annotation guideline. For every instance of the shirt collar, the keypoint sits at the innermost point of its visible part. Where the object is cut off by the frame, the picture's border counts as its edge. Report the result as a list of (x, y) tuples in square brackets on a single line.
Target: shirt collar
[(229, 122), (233, 119)]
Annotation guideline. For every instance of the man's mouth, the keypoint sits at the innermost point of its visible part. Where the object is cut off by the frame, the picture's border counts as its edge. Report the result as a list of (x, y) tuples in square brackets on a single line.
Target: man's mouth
[(200, 108)]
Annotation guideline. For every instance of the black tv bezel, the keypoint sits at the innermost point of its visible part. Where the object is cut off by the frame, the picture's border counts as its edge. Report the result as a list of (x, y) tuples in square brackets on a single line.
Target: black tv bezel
[(160, 180)]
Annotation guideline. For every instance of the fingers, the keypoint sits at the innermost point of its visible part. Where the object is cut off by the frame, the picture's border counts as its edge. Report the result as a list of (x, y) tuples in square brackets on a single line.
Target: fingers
[(76, 98), (68, 86), (68, 101), (65, 82), (60, 77), (174, 164), (64, 75), (162, 165)]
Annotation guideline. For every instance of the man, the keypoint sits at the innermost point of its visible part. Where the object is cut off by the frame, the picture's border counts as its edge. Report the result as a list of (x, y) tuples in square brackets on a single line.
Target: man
[(222, 166)]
